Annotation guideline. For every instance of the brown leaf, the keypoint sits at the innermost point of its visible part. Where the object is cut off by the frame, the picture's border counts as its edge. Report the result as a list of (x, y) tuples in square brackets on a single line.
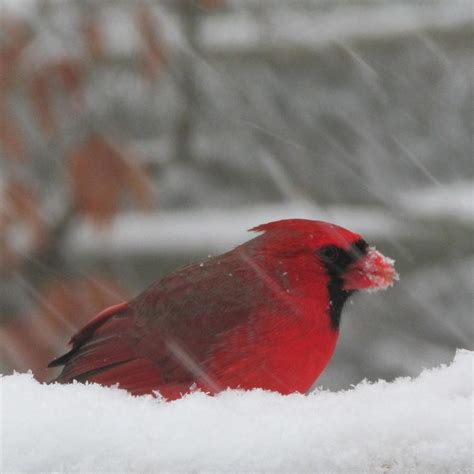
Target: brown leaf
[(100, 173), (71, 74), (139, 185), (153, 55), (23, 203), (41, 102), (96, 174), (15, 35), (20, 206), (11, 137), (93, 37), (66, 73)]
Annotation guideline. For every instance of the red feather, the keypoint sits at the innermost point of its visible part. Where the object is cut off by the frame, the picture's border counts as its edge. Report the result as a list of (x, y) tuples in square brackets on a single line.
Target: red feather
[(262, 315)]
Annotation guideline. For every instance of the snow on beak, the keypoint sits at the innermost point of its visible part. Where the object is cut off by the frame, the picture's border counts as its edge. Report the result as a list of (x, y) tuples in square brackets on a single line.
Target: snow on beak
[(373, 271)]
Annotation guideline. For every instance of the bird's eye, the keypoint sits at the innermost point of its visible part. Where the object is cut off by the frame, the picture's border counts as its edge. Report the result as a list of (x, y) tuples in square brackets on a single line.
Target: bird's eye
[(329, 254)]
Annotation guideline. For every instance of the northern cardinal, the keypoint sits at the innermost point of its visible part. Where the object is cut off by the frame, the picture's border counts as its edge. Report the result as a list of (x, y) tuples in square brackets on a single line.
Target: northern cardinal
[(264, 315)]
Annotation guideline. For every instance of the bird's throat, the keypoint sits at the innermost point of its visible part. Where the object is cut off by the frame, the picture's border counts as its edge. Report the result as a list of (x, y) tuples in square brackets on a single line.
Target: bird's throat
[(337, 297)]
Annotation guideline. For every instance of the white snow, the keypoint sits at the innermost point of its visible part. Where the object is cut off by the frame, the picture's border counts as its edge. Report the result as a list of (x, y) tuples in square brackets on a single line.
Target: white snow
[(217, 230), (287, 26), (421, 425), (213, 230), (454, 200)]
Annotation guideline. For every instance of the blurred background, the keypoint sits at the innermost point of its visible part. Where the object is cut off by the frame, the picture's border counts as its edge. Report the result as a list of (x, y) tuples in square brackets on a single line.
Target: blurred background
[(137, 136)]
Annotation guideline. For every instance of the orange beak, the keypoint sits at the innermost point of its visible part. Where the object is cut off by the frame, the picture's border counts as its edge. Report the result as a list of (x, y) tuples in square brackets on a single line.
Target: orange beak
[(373, 272)]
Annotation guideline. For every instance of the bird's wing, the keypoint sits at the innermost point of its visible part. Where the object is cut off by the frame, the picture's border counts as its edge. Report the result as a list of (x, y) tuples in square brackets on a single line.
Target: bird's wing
[(163, 339), (102, 352), (205, 311)]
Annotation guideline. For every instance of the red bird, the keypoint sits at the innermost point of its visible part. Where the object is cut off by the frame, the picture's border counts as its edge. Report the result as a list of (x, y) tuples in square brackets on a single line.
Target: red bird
[(264, 315)]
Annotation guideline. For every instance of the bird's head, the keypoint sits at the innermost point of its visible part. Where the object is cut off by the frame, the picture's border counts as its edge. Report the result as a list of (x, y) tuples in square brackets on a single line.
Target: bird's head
[(345, 258)]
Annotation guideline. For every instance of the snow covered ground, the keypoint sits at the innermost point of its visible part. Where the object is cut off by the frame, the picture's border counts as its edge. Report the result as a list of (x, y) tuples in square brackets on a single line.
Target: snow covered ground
[(421, 425)]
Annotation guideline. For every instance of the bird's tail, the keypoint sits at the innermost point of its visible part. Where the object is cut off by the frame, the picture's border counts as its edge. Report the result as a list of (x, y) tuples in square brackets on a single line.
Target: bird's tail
[(102, 352)]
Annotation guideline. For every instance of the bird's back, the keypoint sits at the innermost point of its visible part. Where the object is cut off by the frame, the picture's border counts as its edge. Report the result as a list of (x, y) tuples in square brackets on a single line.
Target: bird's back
[(223, 322)]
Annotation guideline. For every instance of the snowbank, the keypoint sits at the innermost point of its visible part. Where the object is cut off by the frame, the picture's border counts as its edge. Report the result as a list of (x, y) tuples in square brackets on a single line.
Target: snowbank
[(411, 425)]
